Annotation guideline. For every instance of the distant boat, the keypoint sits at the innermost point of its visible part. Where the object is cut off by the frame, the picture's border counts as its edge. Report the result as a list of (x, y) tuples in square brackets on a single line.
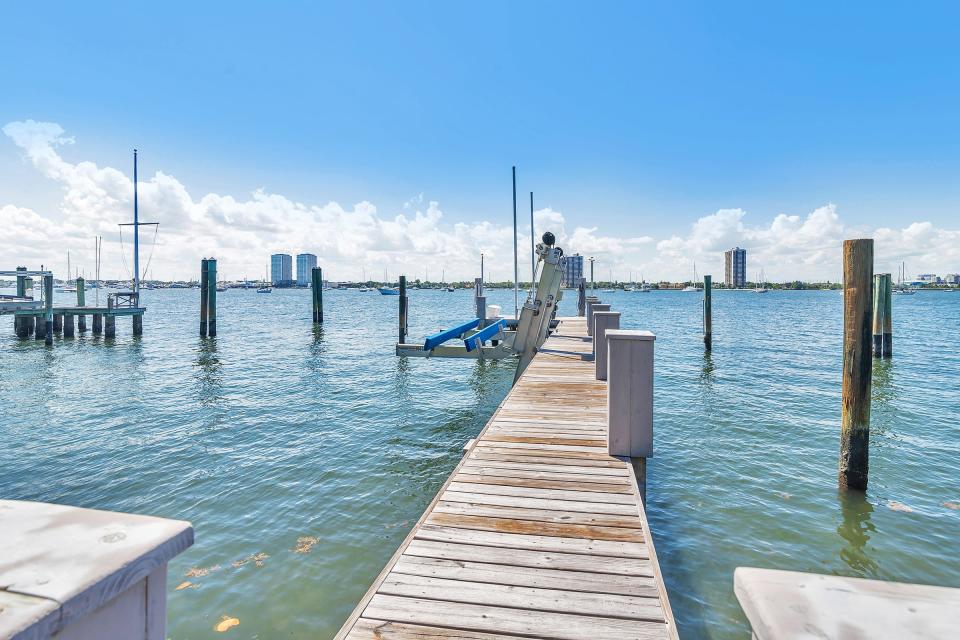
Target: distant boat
[(692, 288), (265, 288), (221, 289), (365, 289), (644, 288), (902, 289), (761, 281), (609, 290), (389, 291)]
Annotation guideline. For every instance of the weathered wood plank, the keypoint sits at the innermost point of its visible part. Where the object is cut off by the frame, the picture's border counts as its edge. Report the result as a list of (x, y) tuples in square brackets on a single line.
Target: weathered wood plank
[(370, 629), (528, 576), (603, 487), (494, 462), (556, 544), (521, 597), (537, 515), (539, 624), (533, 527), (530, 492), (571, 506)]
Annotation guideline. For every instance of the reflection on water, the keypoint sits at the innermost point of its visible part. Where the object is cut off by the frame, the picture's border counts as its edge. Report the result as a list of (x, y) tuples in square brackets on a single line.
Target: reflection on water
[(706, 370), (856, 530), (208, 373)]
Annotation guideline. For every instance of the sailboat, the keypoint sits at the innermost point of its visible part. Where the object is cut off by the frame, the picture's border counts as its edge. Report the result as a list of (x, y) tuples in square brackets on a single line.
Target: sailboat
[(901, 289), (265, 287), (443, 281), (692, 288), (386, 289), (761, 284), (67, 287)]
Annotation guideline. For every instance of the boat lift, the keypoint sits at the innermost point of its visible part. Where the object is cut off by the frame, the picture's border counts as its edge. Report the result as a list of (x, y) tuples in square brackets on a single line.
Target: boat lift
[(520, 338)]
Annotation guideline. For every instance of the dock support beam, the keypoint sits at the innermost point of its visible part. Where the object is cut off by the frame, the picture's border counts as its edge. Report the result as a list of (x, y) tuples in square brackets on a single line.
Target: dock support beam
[(630, 399), (603, 321), (68, 325), (707, 313), (204, 292), (403, 309), (211, 297), (97, 324), (110, 326), (138, 324), (316, 283), (857, 364), (40, 327), (58, 322)]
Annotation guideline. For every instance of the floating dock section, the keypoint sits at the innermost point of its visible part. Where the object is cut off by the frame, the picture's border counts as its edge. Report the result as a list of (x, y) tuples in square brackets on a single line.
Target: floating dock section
[(538, 532)]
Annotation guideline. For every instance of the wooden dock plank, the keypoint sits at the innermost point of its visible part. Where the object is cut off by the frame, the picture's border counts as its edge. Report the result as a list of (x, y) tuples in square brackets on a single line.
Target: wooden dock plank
[(538, 532)]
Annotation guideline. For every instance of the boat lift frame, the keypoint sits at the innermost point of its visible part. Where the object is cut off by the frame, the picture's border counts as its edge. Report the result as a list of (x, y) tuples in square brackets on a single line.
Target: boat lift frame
[(531, 329)]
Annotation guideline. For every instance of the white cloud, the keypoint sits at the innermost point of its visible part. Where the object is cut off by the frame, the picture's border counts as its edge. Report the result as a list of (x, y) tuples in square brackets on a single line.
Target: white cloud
[(242, 233)]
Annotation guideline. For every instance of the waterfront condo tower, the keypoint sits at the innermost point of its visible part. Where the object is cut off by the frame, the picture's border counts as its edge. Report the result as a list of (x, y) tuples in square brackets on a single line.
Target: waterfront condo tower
[(572, 270), (281, 270), (735, 273), (305, 264)]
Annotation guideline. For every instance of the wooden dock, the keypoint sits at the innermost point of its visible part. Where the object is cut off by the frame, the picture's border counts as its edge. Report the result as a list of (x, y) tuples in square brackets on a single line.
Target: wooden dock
[(538, 532)]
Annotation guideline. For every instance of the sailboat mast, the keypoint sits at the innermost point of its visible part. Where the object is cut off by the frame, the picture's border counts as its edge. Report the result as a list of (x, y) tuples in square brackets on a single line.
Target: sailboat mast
[(533, 250), (136, 231), (516, 264)]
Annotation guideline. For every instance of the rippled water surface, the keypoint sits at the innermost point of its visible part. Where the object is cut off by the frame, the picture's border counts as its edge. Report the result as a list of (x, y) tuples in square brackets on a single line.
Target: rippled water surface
[(303, 456)]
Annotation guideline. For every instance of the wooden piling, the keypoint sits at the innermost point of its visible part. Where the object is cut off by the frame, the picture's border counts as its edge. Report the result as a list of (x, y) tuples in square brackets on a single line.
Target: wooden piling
[(40, 327), (878, 309), (203, 297), (138, 324), (211, 297), (403, 309), (58, 322), (48, 312), (857, 364), (887, 342), (68, 327), (707, 313), (603, 321), (97, 324), (316, 284), (81, 302), (20, 322), (110, 326), (582, 297)]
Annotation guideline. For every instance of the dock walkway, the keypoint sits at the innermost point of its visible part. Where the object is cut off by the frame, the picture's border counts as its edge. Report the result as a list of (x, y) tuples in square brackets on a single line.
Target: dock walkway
[(538, 532)]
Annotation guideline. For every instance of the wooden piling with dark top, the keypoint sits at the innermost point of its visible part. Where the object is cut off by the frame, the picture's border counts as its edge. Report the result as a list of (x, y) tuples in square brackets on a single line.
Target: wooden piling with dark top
[(68, 326), (81, 302), (316, 285), (707, 313), (403, 309), (857, 364), (887, 342), (204, 289), (878, 309), (110, 326), (97, 324), (212, 297), (582, 297)]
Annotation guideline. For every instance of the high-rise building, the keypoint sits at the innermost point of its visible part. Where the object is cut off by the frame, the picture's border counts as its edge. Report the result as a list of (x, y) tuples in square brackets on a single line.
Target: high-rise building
[(572, 270), (735, 268), (305, 264), (281, 269)]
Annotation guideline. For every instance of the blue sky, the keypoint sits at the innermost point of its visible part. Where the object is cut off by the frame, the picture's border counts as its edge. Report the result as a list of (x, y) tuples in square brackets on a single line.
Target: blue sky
[(634, 118)]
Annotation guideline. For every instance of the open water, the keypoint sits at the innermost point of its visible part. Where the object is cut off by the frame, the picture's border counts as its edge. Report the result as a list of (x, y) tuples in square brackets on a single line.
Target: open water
[(303, 456)]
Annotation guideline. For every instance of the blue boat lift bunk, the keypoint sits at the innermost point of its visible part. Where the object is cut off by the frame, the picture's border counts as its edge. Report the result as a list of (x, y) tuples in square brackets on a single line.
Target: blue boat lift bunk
[(521, 340)]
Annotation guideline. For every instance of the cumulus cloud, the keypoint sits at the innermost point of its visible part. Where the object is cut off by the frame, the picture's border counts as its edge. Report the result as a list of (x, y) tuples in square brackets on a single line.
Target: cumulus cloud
[(243, 231)]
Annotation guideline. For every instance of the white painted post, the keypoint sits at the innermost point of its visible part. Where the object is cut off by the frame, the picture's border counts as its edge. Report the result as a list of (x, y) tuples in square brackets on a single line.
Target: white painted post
[(630, 393), (603, 321), (84, 574), (590, 301), (596, 306)]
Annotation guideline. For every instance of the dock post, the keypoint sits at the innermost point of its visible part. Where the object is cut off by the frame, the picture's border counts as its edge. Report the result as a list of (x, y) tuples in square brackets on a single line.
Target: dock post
[(20, 322), (110, 326), (203, 297), (594, 308), (582, 297), (211, 297), (603, 321), (480, 301), (316, 283), (588, 311), (707, 313), (887, 342), (630, 399), (878, 309), (48, 316), (68, 325), (857, 364), (97, 324), (81, 302), (403, 309), (138, 324), (58, 322), (40, 327)]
